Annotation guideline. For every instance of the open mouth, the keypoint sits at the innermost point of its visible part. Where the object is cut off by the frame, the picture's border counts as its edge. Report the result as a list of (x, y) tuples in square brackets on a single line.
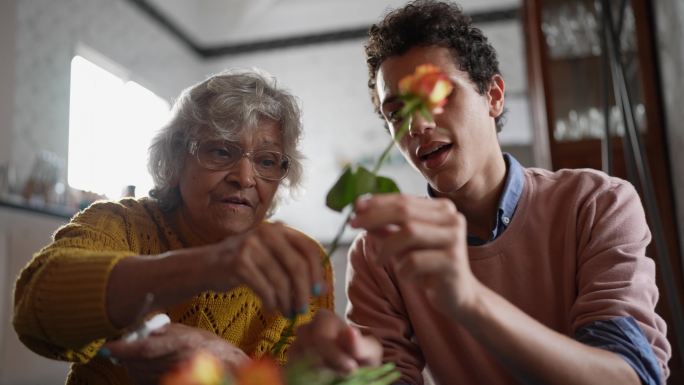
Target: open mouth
[(434, 152)]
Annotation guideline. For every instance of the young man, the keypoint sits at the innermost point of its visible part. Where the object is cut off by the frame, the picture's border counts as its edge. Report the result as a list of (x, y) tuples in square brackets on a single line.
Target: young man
[(505, 273)]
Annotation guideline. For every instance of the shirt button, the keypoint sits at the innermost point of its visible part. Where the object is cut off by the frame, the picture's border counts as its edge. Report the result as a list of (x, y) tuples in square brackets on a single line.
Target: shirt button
[(506, 220)]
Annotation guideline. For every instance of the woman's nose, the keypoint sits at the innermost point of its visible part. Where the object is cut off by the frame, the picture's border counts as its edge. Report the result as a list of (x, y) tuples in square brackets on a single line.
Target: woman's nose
[(243, 173)]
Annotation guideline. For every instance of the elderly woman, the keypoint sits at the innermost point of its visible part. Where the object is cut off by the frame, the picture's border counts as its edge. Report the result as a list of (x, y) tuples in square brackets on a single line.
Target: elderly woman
[(199, 249)]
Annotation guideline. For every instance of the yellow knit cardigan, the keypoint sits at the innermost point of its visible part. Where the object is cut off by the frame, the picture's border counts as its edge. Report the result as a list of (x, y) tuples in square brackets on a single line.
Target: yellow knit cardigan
[(59, 298)]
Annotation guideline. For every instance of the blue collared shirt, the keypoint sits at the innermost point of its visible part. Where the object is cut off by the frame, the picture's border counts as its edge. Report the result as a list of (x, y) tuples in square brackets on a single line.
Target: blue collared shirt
[(620, 335)]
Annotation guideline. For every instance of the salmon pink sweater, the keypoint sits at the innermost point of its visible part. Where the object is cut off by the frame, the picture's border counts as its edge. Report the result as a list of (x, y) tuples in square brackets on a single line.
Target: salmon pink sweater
[(574, 253)]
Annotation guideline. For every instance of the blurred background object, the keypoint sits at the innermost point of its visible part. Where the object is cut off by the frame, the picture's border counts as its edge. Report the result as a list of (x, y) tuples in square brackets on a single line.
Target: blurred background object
[(128, 191), (45, 181), (8, 180)]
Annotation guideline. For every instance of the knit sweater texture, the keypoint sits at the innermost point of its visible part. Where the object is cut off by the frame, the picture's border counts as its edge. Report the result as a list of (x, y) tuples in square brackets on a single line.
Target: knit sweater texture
[(574, 253), (59, 299)]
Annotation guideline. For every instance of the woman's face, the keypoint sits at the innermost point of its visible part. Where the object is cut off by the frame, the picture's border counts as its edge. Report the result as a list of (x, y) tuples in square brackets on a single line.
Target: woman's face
[(218, 204)]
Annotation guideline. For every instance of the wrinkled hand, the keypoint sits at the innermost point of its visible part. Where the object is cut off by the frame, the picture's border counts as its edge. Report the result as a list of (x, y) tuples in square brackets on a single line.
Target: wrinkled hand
[(150, 358), (423, 239), (329, 342), (281, 265)]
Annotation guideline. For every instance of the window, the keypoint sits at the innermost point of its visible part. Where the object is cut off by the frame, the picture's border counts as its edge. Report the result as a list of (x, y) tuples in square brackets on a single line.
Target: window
[(111, 124)]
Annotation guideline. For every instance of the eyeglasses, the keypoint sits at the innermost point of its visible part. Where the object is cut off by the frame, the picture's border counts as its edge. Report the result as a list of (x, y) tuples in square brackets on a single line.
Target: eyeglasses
[(219, 155)]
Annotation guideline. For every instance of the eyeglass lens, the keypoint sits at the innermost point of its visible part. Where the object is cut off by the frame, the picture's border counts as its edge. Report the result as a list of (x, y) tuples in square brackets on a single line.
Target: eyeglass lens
[(219, 155)]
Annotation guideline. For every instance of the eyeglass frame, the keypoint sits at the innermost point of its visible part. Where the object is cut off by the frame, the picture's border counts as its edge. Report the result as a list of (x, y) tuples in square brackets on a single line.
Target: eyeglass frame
[(193, 149)]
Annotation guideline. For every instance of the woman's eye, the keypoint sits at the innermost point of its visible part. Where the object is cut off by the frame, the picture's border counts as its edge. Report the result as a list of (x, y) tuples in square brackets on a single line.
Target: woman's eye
[(220, 152), (223, 153), (267, 160)]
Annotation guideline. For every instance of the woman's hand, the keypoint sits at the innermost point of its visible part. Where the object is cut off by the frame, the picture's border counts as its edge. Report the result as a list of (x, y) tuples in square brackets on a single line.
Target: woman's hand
[(280, 264), (424, 240), (331, 343), (150, 358)]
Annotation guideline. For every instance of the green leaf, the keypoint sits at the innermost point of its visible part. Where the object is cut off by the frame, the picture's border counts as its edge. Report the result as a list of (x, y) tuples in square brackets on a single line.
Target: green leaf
[(385, 185), (365, 182), (382, 375), (354, 183), (342, 192)]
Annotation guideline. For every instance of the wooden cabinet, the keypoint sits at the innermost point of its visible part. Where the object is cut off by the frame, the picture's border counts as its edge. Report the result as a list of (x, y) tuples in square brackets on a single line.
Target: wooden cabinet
[(571, 93)]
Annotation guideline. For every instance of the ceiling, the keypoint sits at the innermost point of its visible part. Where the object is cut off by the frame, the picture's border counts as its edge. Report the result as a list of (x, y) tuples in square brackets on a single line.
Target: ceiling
[(214, 23)]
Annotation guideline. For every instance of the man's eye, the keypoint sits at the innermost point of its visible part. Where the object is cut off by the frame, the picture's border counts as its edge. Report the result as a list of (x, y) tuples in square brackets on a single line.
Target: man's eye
[(393, 116)]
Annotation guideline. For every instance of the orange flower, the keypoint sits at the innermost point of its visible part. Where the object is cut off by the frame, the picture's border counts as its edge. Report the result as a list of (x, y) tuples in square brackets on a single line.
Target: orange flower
[(264, 371), (202, 369), (429, 84)]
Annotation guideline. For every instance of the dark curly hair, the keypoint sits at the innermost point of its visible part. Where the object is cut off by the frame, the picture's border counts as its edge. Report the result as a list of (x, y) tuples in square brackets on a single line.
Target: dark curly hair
[(426, 23)]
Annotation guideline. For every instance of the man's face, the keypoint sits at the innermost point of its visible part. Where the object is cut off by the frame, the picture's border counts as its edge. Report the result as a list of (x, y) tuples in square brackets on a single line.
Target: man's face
[(457, 149)]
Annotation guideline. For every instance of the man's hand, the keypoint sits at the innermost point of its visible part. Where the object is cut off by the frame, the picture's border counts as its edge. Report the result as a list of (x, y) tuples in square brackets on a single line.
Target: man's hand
[(424, 240), (329, 342), (150, 358)]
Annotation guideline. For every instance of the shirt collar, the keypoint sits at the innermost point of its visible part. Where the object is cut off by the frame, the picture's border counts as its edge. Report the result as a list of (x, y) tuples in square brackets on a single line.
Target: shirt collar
[(508, 202), (513, 187)]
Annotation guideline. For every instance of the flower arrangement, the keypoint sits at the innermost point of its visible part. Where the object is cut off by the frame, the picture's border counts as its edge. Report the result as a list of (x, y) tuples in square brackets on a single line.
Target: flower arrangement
[(425, 92)]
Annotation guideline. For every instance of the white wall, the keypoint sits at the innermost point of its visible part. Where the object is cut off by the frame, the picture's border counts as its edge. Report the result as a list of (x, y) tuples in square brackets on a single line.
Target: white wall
[(49, 33), (7, 44), (670, 24)]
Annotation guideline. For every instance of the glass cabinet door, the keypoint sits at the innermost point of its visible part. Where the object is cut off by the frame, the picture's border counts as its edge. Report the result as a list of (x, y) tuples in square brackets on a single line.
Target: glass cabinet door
[(574, 44), (580, 98), (573, 102)]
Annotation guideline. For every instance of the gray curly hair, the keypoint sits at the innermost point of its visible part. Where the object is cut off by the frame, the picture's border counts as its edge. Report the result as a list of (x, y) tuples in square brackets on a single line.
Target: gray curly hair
[(220, 108)]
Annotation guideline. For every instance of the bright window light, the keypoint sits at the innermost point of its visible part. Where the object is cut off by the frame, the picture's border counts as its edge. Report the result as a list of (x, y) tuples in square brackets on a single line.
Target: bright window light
[(111, 124)]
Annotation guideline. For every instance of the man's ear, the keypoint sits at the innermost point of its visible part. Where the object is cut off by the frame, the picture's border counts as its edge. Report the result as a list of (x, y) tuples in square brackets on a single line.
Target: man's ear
[(495, 96)]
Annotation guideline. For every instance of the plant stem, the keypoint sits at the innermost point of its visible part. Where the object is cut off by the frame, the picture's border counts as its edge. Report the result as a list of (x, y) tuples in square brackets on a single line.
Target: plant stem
[(382, 158), (287, 333), (336, 240), (402, 130)]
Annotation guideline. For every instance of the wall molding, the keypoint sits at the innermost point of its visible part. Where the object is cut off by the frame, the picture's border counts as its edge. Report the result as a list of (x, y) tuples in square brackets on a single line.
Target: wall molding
[(334, 36)]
